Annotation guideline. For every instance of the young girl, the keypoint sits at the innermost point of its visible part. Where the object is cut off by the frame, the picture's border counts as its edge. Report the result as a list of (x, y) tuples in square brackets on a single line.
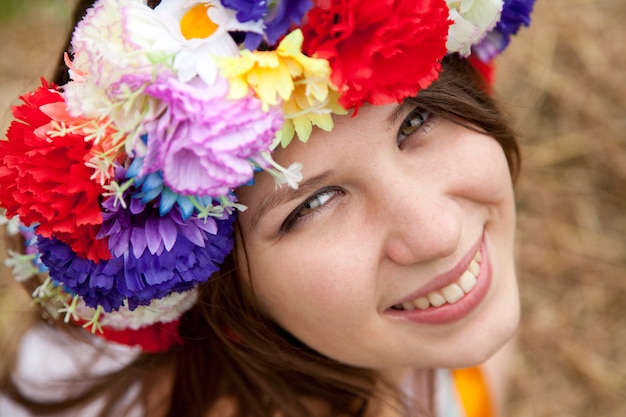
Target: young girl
[(286, 208)]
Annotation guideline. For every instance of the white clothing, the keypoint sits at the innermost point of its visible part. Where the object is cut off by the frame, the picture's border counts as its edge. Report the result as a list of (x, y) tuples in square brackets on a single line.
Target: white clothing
[(48, 355)]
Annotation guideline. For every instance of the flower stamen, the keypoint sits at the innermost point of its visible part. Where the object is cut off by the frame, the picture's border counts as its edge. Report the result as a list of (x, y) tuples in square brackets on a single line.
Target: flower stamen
[(196, 23)]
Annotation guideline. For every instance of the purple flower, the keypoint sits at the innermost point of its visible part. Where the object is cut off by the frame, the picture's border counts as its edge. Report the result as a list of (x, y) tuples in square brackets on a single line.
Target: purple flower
[(153, 256), (95, 282), (286, 14), (277, 20), (515, 13), (203, 141), (140, 227), (247, 10)]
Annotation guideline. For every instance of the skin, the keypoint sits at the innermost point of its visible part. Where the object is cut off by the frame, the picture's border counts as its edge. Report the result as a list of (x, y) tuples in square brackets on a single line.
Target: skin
[(391, 217)]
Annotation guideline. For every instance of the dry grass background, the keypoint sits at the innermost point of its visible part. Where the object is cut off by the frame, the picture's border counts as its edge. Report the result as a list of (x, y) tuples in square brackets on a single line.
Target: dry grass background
[(564, 81)]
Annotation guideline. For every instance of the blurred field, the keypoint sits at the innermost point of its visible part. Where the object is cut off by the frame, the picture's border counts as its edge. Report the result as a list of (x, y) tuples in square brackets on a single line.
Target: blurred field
[(31, 35), (566, 85), (564, 82)]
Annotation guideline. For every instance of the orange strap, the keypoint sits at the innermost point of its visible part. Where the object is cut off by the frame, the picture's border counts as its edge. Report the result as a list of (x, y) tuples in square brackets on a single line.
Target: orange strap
[(473, 391)]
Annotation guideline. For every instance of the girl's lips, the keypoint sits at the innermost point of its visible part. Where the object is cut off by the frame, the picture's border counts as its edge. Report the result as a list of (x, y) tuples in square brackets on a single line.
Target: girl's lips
[(449, 312)]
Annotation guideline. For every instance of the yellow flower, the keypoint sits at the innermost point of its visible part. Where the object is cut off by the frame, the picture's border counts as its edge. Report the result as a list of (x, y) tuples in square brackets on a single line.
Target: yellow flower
[(301, 114), (302, 84)]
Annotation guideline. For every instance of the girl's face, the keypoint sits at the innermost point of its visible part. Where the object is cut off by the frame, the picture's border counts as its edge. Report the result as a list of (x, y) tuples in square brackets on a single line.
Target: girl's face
[(396, 250)]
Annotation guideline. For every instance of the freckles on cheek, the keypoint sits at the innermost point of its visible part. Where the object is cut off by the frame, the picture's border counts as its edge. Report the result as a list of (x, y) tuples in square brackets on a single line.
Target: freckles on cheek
[(485, 174), (318, 280), (321, 283)]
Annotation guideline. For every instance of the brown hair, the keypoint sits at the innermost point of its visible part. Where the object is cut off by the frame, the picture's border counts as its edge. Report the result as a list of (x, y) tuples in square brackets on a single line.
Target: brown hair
[(233, 351)]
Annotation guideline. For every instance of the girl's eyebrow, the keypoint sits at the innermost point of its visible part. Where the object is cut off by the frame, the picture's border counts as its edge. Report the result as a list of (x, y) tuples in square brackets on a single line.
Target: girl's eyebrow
[(398, 112), (284, 194)]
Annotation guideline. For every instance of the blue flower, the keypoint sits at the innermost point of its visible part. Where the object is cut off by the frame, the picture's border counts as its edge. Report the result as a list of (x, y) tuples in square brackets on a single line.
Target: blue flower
[(94, 282), (247, 10), (152, 187), (515, 13), (283, 16), (278, 17)]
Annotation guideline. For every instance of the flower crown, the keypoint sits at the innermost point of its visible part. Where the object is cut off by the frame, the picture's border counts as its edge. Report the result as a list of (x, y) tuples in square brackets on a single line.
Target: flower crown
[(123, 178)]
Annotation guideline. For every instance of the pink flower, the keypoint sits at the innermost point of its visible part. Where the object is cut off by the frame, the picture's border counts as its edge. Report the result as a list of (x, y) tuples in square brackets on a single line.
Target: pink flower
[(203, 142)]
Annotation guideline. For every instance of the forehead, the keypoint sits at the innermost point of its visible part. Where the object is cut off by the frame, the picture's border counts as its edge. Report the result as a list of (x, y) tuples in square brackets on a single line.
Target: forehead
[(324, 157), (326, 150), (348, 133)]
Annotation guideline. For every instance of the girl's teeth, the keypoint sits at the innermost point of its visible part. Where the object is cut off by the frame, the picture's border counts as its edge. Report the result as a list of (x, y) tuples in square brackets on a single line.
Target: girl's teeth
[(467, 281), (422, 303), (408, 305), (436, 299), (474, 267), (450, 294)]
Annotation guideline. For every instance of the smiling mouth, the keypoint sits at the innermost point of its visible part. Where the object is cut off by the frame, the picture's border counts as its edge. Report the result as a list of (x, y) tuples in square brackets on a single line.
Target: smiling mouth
[(449, 294)]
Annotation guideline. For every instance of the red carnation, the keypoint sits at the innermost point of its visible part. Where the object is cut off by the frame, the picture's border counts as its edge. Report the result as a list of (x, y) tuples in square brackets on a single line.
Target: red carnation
[(382, 51), (486, 69), (44, 179), (155, 338)]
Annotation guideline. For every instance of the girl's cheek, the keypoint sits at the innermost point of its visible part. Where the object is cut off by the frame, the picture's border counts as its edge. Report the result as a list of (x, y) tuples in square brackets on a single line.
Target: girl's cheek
[(478, 171)]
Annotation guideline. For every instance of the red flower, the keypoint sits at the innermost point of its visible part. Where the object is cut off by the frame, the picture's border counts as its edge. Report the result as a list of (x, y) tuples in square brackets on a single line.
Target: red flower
[(486, 70), (381, 51), (155, 338), (44, 179)]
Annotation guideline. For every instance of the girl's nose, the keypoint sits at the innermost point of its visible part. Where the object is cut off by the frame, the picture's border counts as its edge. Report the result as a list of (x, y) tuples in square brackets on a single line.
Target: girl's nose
[(422, 222)]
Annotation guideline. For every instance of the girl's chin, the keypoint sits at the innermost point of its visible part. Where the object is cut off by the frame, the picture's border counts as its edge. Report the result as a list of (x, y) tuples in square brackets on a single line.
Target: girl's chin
[(478, 350)]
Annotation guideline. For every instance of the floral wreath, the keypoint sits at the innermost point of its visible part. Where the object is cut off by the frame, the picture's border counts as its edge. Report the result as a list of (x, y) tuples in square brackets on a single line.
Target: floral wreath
[(122, 180)]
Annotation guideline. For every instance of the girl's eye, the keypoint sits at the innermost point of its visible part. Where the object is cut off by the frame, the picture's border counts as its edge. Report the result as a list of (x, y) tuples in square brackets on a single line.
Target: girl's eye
[(309, 208), (414, 122)]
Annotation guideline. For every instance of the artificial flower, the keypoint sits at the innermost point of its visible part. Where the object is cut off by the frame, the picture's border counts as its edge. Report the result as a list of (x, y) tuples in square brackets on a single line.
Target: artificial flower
[(302, 112), (30, 241), (290, 176), (380, 52), (164, 310), (199, 30), (77, 274), (248, 10), (21, 265), (134, 39), (485, 69), (158, 337), (115, 37), (12, 225), (152, 328), (271, 73), (472, 20), (154, 257), (203, 141), (515, 13), (153, 188), (286, 75), (278, 17), (137, 228), (285, 14), (44, 180)]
